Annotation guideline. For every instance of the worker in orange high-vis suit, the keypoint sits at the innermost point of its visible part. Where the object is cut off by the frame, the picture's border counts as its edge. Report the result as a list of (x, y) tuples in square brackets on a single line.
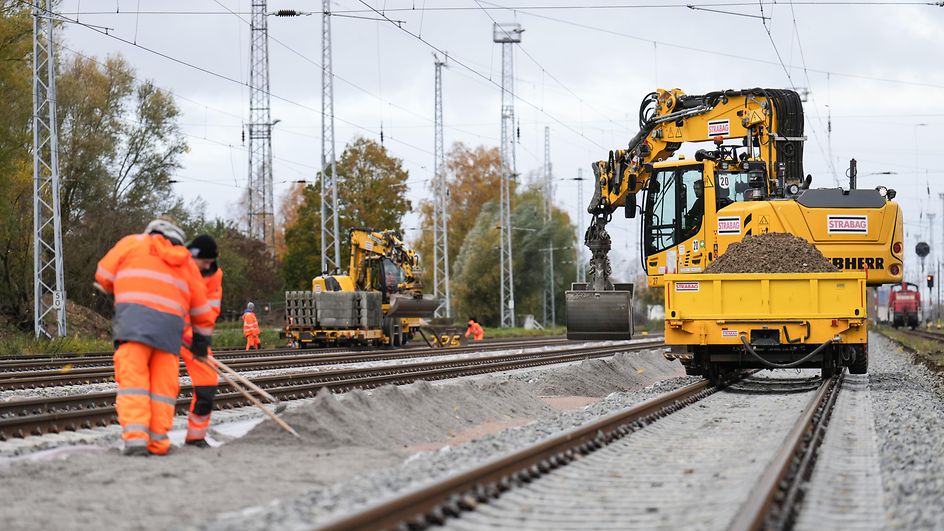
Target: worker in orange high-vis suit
[(156, 287), (202, 373), (251, 327), (476, 330)]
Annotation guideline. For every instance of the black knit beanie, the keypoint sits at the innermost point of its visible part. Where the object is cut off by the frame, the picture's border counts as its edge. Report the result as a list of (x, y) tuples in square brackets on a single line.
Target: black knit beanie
[(203, 246)]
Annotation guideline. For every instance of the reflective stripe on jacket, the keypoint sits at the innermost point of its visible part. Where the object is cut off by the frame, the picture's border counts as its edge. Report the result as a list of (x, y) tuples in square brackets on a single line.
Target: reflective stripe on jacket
[(250, 324), (214, 288), (157, 286)]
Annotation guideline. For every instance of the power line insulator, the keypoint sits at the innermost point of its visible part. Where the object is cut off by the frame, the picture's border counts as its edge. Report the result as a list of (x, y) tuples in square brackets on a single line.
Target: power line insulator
[(288, 13)]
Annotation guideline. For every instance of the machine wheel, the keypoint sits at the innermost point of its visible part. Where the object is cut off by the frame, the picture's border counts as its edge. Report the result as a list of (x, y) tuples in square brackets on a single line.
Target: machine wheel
[(829, 365), (861, 363), (714, 373)]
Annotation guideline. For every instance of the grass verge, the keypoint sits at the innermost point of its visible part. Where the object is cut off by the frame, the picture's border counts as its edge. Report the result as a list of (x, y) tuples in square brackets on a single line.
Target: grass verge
[(927, 351), (524, 332), (27, 344)]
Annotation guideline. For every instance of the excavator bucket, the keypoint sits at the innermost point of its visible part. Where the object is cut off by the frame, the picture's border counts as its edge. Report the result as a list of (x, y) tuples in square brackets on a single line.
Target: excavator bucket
[(410, 307), (599, 315)]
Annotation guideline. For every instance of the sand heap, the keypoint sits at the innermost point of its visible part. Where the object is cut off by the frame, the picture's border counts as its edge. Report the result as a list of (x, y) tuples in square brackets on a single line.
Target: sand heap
[(774, 252)]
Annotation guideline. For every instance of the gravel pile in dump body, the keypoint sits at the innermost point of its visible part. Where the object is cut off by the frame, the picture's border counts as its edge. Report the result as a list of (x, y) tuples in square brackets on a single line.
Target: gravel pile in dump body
[(774, 252), (908, 405)]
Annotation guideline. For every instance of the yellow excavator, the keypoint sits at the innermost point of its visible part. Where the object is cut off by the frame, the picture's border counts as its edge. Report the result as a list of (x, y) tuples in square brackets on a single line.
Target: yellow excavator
[(750, 182), (379, 301)]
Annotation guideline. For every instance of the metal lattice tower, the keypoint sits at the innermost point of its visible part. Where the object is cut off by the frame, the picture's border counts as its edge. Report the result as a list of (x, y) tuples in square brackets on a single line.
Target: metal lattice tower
[(440, 211), (581, 258), (507, 34), (550, 317), (261, 203), (330, 239), (49, 296)]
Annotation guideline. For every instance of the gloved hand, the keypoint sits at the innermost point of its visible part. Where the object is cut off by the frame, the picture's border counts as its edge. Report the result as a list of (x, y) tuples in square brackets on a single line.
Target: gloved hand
[(200, 347)]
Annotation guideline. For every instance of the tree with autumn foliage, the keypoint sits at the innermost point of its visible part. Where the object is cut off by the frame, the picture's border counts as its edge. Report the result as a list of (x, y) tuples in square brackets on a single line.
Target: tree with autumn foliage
[(476, 274), (371, 193), (473, 177), (16, 168)]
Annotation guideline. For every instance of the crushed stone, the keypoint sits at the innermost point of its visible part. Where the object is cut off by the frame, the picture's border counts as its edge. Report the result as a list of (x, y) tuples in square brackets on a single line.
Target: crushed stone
[(348, 438), (773, 252)]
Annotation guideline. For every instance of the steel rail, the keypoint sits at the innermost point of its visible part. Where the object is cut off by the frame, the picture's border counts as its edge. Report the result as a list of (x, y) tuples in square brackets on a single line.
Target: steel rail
[(21, 418), (775, 497), (13, 368), (87, 375), (433, 504)]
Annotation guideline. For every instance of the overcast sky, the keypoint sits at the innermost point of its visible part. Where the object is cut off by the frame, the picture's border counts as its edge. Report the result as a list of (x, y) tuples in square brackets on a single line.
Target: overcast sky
[(580, 71)]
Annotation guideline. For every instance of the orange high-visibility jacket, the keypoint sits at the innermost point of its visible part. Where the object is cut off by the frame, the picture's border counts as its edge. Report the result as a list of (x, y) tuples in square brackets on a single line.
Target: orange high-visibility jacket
[(157, 286), (250, 324), (214, 289), (478, 333)]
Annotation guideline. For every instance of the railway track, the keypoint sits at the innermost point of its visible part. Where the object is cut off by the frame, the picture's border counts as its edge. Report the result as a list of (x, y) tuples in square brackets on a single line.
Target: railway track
[(23, 374), (925, 334), (631, 469), (22, 418)]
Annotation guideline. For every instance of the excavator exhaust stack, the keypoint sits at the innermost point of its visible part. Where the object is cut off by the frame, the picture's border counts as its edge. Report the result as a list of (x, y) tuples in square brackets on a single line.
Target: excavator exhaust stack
[(599, 315)]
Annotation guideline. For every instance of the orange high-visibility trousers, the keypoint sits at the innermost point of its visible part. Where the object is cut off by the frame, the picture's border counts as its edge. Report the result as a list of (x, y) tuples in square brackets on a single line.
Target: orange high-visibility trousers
[(204, 379), (252, 341), (148, 382)]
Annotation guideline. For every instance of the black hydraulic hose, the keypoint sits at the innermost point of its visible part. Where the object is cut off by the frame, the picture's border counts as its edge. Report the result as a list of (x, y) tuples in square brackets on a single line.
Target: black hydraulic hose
[(791, 365)]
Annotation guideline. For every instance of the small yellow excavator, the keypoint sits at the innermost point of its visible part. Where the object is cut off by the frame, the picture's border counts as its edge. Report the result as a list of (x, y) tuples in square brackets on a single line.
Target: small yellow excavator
[(378, 302), (694, 208)]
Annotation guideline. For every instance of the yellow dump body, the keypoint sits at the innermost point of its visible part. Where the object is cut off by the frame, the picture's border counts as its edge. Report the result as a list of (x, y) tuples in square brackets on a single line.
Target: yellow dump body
[(769, 309)]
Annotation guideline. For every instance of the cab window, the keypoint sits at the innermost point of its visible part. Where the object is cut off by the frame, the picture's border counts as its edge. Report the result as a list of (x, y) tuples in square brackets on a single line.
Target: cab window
[(731, 187), (661, 211), (673, 210)]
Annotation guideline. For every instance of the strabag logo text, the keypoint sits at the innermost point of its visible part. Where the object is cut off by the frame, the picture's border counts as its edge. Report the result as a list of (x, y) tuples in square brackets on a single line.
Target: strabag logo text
[(686, 286), (719, 128), (729, 225), (847, 224)]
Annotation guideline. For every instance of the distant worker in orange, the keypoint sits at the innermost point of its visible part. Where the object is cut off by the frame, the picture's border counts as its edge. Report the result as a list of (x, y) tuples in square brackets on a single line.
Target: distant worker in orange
[(251, 327), (157, 286), (478, 333), (202, 373)]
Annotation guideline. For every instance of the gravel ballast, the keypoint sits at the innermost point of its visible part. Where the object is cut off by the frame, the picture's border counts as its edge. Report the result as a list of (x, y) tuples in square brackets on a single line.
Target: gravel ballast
[(348, 436), (908, 406)]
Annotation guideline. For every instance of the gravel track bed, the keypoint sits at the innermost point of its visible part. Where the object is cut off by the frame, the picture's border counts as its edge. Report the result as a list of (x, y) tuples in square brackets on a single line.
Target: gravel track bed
[(347, 436), (75, 390), (908, 404), (323, 503), (845, 490), (679, 473)]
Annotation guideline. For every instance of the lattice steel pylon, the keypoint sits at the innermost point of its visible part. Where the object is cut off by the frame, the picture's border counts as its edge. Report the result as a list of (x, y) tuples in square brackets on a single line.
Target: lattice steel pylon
[(581, 254), (440, 210), (330, 240), (550, 307), (261, 202), (507, 34), (49, 296)]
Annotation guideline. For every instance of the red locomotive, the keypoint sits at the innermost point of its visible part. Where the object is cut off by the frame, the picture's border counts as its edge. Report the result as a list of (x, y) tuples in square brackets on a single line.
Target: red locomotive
[(904, 303)]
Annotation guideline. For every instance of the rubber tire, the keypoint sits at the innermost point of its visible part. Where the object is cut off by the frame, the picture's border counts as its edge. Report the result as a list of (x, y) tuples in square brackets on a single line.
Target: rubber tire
[(828, 365), (861, 363)]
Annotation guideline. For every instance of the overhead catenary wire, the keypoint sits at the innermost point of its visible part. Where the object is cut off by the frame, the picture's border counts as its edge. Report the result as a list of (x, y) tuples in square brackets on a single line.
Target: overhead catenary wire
[(558, 7), (598, 29), (830, 161), (212, 73), (319, 66), (483, 76)]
